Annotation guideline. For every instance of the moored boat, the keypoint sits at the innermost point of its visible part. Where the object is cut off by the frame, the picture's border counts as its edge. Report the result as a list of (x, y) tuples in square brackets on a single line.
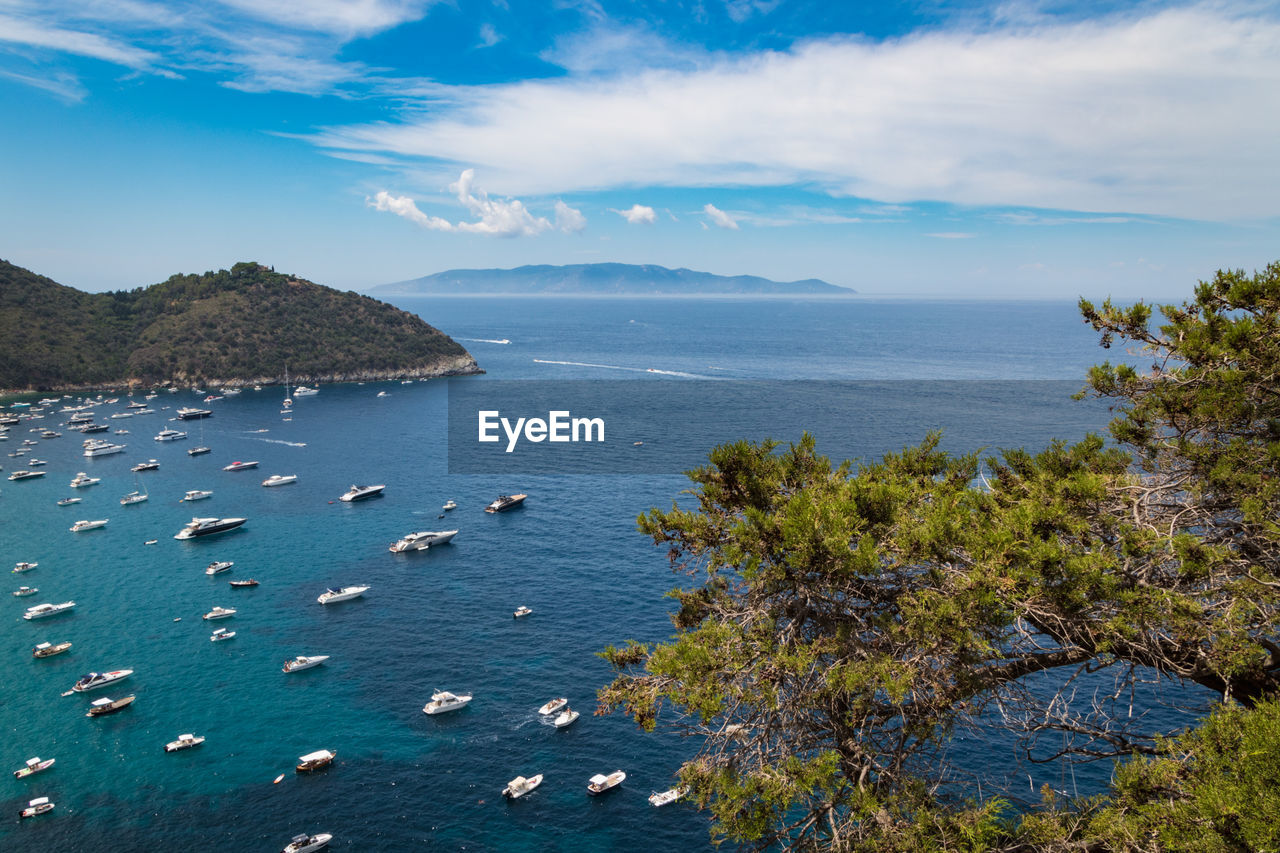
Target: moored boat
[(449, 505), (208, 526), (240, 466), (422, 540), (185, 741), (33, 766), (244, 583), (26, 475), (219, 613), (307, 843), (197, 495), (218, 566), (315, 760), (199, 451), (23, 566), (40, 611), (48, 650), (69, 501), (25, 591), (302, 662), (360, 493), (83, 525), (346, 593), (40, 805), (191, 413), (520, 786), (133, 498), (109, 706), (664, 798), (170, 435), (149, 465), (505, 502), (220, 634), (280, 480), (521, 611), (600, 783), (442, 701), (554, 705), (82, 479), (565, 718), (94, 680)]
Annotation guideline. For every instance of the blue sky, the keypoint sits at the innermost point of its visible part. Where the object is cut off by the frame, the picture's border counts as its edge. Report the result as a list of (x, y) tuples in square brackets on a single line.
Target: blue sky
[(933, 148)]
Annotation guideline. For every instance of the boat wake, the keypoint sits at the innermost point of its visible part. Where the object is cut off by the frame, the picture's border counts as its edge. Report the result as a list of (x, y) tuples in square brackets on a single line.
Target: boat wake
[(484, 341), (280, 441), (620, 367)]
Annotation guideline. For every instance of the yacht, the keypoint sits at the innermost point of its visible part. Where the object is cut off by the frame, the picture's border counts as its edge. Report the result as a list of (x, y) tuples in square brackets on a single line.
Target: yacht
[(208, 527), (197, 495), (520, 786), (23, 566), (443, 701), (218, 566), (219, 613), (191, 413), (25, 475), (40, 611), (302, 662), (199, 451), (565, 718), (304, 391), (422, 540), (37, 463), (315, 760), (94, 680), (83, 525), (244, 583), (240, 466), (667, 797), (170, 435), (600, 783), (149, 465), (220, 634), (50, 434), (331, 595), (119, 416), (521, 611), (133, 498), (48, 650), (505, 502), (79, 481), (109, 706), (280, 480), (33, 765), (39, 805), (24, 591), (359, 493), (307, 843), (90, 429), (553, 706), (183, 742), (102, 448), (448, 505), (136, 405)]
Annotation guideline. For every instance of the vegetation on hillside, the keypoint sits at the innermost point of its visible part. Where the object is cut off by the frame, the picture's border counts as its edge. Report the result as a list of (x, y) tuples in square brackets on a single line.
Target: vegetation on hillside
[(248, 322), (846, 624)]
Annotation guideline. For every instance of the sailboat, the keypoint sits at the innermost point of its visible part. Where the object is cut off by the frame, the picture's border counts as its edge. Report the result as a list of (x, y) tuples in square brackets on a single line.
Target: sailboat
[(137, 496), (288, 401), (197, 451)]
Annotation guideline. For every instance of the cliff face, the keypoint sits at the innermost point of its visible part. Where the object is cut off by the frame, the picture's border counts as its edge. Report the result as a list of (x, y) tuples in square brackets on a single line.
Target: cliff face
[(246, 325)]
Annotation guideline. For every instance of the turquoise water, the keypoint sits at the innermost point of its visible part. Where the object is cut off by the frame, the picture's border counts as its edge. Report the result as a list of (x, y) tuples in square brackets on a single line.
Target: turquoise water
[(439, 619)]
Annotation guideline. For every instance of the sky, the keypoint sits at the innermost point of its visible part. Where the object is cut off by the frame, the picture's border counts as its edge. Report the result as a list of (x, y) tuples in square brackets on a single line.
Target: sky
[(918, 149)]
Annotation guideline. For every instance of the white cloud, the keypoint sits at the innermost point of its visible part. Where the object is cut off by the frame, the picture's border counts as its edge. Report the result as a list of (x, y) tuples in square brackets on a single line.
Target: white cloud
[(719, 217), (342, 18), (1172, 113), (638, 214), (488, 36), (406, 207), (37, 33), (497, 218), (569, 220)]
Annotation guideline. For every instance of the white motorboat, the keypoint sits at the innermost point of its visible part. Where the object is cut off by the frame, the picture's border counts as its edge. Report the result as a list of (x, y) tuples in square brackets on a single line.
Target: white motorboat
[(40, 805), (307, 843), (102, 448), (315, 760), (304, 391), (422, 540), (83, 525), (218, 566), (183, 742), (24, 591), (69, 501), (240, 466), (667, 797), (331, 595), (244, 583), (149, 465), (170, 435), (40, 611), (82, 479), (600, 783), (553, 706), (442, 701), (520, 786), (521, 611), (505, 502), (109, 706), (565, 718), (23, 566), (198, 451), (220, 634), (48, 650), (280, 480), (208, 527), (26, 475), (33, 766), (197, 495), (302, 662), (191, 413), (448, 505), (219, 613), (359, 493), (94, 680), (133, 498)]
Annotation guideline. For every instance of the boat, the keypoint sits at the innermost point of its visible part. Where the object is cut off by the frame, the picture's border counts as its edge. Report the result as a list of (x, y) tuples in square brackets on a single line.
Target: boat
[(422, 540), (81, 480), (33, 766), (505, 502), (103, 448), (317, 760), (331, 595), (212, 397), (136, 405), (50, 434), (40, 611), (25, 590), (149, 465), (48, 650), (553, 706), (359, 493), (197, 495), (383, 394), (220, 634), (521, 611), (133, 498), (208, 526), (183, 742), (68, 501), (37, 463), (307, 843), (302, 662), (520, 786), (304, 391), (23, 566), (83, 525), (191, 413), (170, 435), (197, 451), (109, 706), (220, 613), (280, 480), (667, 797), (89, 429), (442, 701), (39, 805), (240, 466), (565, 718), (94, 680), (26, 475), (448, 505), (244, 583), (600, 783), (218, 566), (120, 416)]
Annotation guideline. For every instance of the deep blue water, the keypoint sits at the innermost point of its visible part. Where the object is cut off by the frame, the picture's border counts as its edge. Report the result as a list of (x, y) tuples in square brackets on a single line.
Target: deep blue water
[(433, 620)]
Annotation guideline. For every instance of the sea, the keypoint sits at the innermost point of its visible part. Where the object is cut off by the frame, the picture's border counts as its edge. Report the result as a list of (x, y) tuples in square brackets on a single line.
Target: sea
[(432, 620)]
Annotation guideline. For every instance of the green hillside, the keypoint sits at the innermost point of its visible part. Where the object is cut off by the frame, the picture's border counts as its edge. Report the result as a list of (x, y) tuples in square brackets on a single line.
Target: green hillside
[(240, 325)]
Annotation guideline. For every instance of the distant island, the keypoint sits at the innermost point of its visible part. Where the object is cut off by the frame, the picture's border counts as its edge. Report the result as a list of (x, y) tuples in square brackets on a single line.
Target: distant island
[(242, 326), (605, 279)]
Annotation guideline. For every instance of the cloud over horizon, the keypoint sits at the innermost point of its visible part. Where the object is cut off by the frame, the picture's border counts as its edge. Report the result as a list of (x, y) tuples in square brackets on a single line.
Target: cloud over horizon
[(494, 217), (719, 218), (638, 214)]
